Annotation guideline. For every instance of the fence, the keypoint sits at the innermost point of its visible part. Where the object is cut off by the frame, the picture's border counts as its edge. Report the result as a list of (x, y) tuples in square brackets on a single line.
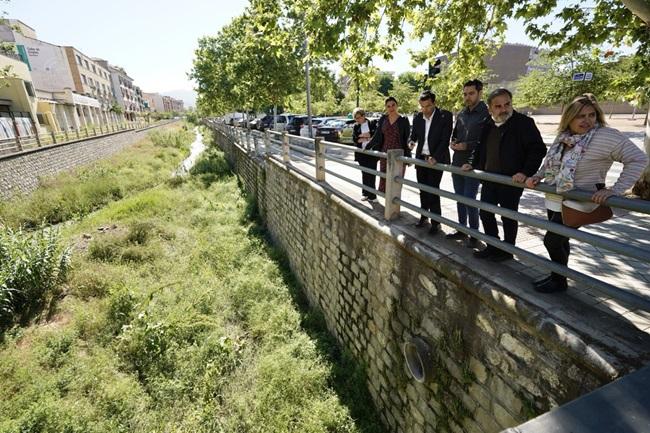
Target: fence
[(313, 152), (21, 143)]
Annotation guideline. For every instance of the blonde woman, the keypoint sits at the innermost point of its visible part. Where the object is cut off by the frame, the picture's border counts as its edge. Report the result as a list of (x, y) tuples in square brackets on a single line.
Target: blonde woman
[(580, 158)]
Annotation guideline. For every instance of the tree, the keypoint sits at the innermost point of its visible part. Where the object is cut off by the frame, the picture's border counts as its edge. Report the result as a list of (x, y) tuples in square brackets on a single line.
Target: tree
[(415, 80), (255, 61), (385, 82), (472, 30), (550, 82)]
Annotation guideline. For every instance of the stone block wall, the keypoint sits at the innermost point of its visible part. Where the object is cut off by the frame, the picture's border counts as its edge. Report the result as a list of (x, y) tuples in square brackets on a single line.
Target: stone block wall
[(496, 360), (20, 172)]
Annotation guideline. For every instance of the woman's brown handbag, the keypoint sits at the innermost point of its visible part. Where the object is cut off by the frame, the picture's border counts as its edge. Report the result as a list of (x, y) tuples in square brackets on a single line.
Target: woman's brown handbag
[(575, 218)]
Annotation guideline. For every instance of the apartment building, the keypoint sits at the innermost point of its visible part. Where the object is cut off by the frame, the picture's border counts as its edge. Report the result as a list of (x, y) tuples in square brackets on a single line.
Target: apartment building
[(92, 80), (154, 101), (18, 102), (127, 95), (68, 86), (172, 104)]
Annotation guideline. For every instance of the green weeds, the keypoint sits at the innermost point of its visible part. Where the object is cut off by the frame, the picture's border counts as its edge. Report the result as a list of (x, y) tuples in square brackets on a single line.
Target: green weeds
[(180, 318), (74, 195), (33, 265)]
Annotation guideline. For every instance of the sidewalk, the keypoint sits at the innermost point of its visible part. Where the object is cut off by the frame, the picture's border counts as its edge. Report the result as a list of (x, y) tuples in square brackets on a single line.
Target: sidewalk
[(607, 266)]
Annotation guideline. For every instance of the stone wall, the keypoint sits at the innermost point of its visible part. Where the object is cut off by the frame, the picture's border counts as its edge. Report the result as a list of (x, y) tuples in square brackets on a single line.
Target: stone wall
[(496, 360), (20, 172)]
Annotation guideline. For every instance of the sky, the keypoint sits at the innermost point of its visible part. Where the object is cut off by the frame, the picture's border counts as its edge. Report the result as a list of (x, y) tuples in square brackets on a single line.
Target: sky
[(154, 41)]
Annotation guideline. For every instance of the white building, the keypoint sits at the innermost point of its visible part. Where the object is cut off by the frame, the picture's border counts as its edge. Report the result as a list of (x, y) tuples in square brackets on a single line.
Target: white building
[(71, 88)]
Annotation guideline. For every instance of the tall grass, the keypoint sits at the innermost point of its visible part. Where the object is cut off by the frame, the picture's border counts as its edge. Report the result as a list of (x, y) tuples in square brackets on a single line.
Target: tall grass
[(76, 194), (33, 265), (202, 336)]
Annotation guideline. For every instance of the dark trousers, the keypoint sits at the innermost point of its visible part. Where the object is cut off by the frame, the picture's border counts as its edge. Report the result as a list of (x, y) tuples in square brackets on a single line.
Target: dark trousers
[(507, 197), (429, 177), (368, 179), (467, 187), (557, 245)]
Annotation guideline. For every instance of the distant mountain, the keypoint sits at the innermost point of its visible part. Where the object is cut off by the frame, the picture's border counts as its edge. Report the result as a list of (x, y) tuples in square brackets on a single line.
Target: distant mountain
[(188, 96)]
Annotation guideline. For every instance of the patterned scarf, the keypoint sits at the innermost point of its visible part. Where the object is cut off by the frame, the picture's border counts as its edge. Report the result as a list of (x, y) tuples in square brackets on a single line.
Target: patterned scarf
[(560, 167)]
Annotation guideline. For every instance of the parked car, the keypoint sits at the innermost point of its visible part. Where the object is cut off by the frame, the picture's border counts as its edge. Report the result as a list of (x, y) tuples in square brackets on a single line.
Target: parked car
[(296, 123), (282, 122), (331, 129), (315, 121), (345, 135)]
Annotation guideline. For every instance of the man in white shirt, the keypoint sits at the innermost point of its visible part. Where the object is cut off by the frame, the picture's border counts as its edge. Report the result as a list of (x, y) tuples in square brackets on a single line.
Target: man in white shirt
[(431, 132)]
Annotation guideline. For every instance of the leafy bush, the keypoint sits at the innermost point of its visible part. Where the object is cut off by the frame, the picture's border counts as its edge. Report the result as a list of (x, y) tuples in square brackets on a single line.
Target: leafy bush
[(211, 167), (167, 138), (129, 248), (33, 265)]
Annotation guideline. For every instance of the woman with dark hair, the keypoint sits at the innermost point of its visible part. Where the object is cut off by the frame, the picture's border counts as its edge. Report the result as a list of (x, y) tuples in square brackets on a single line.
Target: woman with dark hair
[(580, 158), (392, 132)]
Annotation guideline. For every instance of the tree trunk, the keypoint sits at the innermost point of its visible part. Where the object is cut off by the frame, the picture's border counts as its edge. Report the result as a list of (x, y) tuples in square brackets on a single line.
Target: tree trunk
[(642, 187), (640, 8)]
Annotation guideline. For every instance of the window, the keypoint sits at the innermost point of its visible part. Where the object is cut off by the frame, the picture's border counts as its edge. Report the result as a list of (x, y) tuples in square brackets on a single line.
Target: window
[(79, 60), (94, 70), (83, 78), (30, 89), (86, 64)]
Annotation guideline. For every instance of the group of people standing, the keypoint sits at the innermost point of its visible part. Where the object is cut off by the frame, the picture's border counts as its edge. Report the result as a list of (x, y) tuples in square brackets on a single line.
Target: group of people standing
[(495, 138)]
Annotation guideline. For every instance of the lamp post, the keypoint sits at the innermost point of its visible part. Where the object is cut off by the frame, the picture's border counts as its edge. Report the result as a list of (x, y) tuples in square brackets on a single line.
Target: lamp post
[(308, 87)]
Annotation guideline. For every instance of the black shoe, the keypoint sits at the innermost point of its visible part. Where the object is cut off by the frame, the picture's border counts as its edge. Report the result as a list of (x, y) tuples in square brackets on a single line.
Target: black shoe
[(423, 221), (365, 198), (434, 229), (500, 256), (552, 286), (457, 236), (485, 253), (540, 281), (473, 243)]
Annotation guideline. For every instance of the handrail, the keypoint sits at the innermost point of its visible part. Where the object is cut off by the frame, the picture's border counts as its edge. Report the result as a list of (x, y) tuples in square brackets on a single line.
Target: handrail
[(635, 205), (599, 241), (624, 249)]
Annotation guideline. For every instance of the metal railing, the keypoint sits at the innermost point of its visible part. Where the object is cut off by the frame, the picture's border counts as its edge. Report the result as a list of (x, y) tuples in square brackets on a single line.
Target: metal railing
[(283, 148), (9, 146)]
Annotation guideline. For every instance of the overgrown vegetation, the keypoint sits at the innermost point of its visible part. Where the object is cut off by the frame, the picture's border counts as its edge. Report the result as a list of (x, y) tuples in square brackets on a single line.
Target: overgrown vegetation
[(179, 317), (77, 194), (33, 265)]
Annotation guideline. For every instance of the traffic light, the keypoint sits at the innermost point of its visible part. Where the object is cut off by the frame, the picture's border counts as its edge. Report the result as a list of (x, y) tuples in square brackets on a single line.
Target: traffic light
[(434, 69)]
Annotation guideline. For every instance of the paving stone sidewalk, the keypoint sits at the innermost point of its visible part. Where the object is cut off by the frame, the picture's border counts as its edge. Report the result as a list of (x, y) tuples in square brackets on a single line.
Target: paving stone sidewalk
[(618, 270)]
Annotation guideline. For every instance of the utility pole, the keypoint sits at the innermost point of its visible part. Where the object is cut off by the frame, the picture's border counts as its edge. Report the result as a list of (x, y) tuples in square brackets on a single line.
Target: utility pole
[(308, 86)]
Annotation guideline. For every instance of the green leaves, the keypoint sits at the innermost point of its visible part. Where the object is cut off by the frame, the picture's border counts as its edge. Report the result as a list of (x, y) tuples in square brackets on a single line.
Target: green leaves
[(255, 61), (33, 265)]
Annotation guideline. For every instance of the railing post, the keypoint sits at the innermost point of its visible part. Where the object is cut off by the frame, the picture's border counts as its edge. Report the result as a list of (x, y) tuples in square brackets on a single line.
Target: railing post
[(319, 147), (258, 149), (53, 137), (19, 145), (267, 142), (94, 131), (394, 168), (286, 157), (67, 138)]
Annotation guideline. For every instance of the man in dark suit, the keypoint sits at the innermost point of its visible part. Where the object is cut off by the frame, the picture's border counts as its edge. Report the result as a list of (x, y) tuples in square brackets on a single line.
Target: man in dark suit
[(510, 145), (362, 132), (431, 131)]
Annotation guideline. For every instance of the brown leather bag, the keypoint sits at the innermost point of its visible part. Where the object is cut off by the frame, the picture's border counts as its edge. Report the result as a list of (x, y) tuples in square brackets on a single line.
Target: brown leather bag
[(575, 218)]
